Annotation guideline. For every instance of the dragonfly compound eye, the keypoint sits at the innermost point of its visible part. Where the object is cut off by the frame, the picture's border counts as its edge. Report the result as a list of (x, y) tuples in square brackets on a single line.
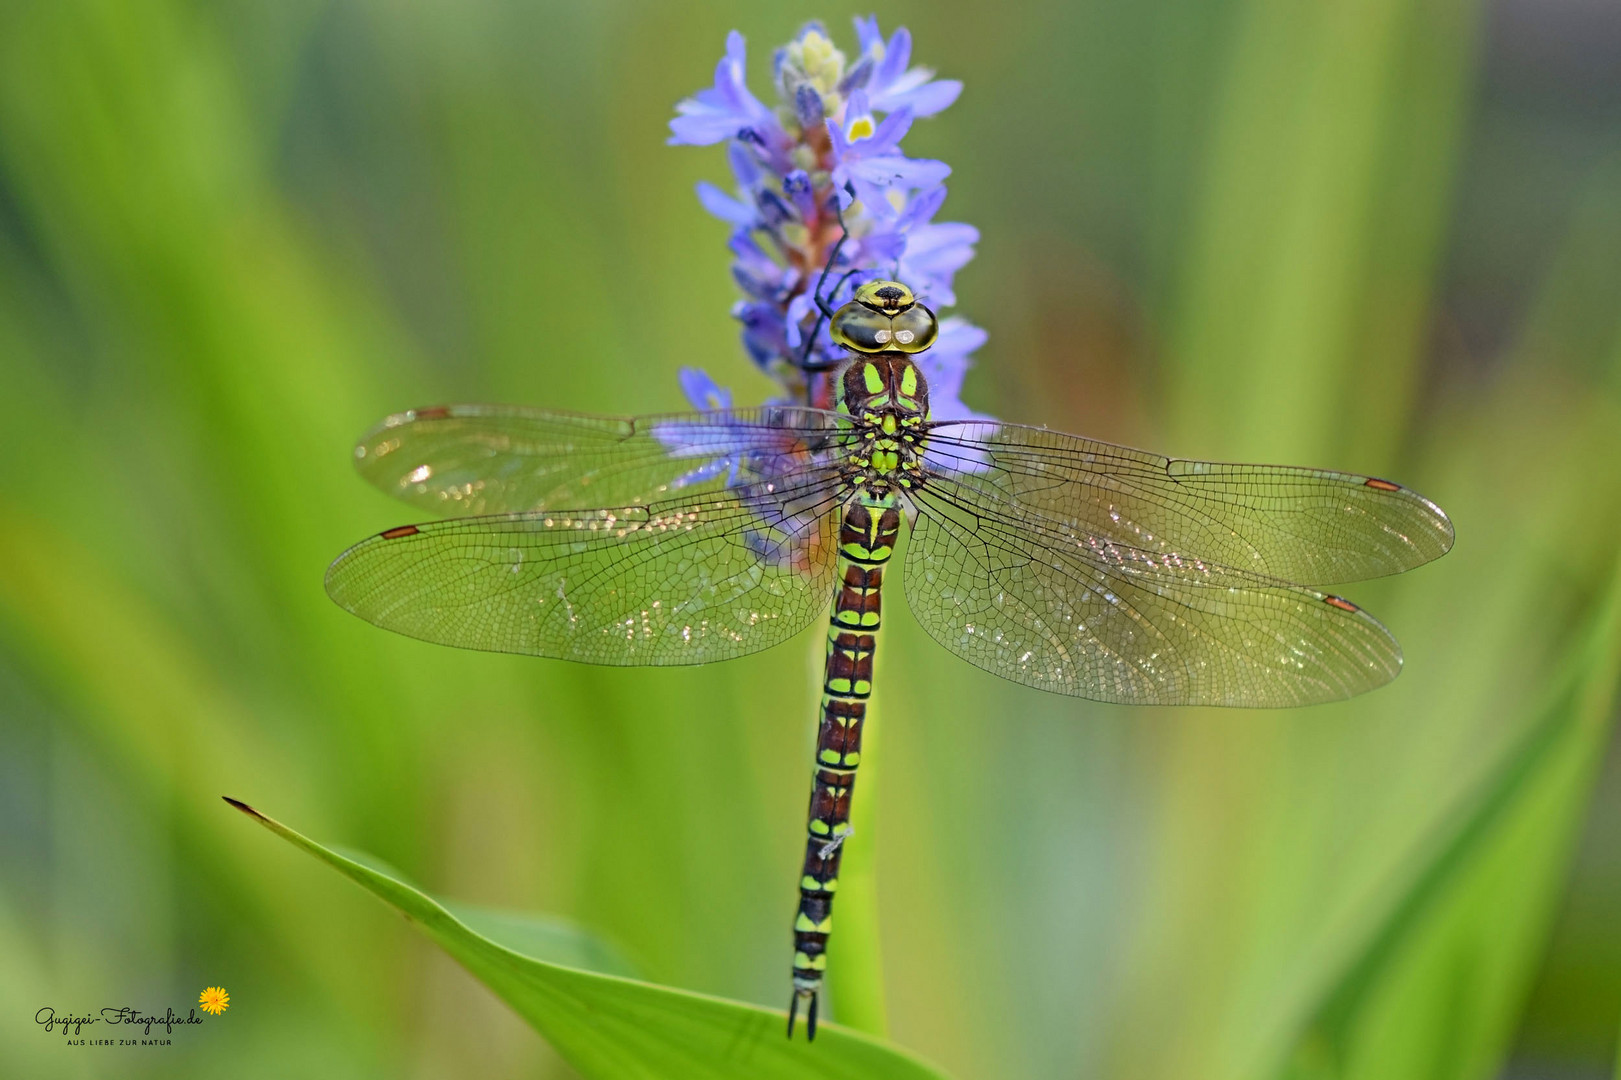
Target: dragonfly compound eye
[(914, 329), (858, 327)]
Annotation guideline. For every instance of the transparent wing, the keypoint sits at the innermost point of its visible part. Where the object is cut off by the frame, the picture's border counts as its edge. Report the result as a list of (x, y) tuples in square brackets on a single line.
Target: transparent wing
[(1043, 603), (454, 460), (685, 580), (1293, 524)]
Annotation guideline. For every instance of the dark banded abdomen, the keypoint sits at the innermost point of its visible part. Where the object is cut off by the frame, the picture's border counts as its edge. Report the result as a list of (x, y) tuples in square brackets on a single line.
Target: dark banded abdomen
[(866, 541)]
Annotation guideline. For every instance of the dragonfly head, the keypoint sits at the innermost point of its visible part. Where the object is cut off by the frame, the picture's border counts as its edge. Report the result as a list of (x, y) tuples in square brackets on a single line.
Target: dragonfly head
[(884, 317)]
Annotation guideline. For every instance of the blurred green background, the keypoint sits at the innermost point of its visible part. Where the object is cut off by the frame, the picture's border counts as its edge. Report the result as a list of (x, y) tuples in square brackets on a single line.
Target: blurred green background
[(1378, 235)]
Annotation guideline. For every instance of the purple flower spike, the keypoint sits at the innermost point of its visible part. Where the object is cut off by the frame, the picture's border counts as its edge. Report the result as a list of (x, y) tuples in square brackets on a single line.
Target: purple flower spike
[(831, 144)]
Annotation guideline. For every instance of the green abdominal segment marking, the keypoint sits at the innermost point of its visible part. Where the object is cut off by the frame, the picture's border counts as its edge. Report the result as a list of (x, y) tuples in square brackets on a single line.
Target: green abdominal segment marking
[(866, 541)]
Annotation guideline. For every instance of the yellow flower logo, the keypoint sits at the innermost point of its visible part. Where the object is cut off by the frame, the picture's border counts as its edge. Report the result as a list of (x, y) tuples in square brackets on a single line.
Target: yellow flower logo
[(214, 1000)]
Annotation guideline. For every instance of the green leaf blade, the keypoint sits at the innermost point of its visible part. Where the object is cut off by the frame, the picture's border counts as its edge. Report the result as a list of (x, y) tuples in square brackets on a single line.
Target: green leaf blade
[(610, 1026)]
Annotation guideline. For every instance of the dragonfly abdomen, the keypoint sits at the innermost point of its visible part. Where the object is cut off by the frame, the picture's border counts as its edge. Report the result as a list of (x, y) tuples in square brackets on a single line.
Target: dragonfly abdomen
[(866, 542)]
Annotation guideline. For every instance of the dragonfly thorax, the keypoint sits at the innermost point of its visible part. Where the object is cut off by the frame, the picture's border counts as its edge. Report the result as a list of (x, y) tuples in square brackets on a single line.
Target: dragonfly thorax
[(888, 399), (868, 386)]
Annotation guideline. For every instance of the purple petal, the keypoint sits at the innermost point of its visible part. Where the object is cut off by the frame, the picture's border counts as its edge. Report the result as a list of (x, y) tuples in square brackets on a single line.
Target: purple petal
[(730, 91), (764, 335), (897, 55), (958, 337), (773, 209), (908, 81), (701, 129), (857, 76), (799, 307), (754, 270), (943, 244), (731, 73), (888, 169), (891, 131), (808, 106), (856, 105), (744, 166), (744, 247), (925, 100), (704, 393), (797, 186), (883, 247), (835, 134), (867, 33), (923, 206), (932, 290), (726, 108), (757, 287), (723, 206), (944, 367), (870, 195)]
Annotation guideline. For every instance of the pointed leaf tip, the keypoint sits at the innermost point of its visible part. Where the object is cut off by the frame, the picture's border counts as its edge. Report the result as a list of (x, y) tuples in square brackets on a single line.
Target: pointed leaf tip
[(244, 807)]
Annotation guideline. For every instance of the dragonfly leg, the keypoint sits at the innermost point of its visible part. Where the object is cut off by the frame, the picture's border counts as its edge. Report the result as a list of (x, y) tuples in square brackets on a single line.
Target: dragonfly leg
[(833, 257), (805, 363), (824, 299)]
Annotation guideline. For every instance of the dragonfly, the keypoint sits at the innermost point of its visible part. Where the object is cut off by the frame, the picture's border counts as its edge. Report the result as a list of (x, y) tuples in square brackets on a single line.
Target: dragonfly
[(1059, 562)]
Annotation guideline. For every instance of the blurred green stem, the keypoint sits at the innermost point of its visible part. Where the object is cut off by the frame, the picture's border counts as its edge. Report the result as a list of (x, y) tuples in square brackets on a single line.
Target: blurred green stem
[(855, 972)]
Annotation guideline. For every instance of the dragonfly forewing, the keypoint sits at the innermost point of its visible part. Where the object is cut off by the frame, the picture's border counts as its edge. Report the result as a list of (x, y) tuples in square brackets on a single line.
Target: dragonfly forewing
[(455, 460), (1308, 526), (686, 580)]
